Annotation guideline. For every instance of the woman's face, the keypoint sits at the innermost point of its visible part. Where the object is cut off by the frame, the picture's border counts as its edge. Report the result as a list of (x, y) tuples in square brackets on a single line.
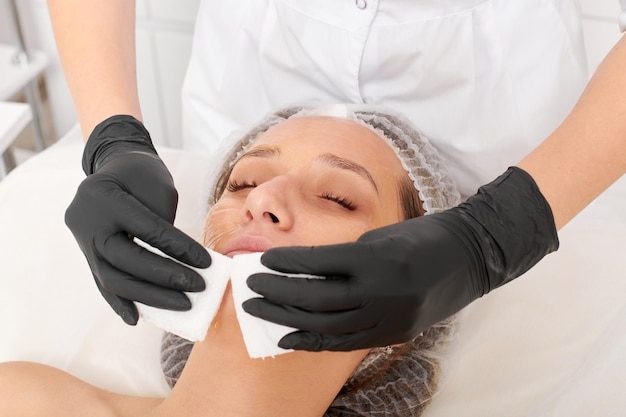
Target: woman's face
[(306, 181)]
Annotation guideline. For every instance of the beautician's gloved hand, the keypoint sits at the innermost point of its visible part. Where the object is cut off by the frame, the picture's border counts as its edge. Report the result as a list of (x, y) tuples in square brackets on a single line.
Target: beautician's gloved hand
[(396, 281), (129, 193)]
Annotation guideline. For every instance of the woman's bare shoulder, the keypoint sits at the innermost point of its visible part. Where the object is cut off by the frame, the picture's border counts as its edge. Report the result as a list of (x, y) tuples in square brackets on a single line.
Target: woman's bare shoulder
[(31, 389)]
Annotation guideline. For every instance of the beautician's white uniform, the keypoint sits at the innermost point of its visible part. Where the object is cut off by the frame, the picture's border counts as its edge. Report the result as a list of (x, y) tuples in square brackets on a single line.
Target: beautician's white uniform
[(485, 80)]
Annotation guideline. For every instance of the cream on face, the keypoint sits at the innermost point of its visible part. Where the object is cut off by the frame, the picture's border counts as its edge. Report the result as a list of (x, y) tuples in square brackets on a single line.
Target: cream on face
[(306, 181)]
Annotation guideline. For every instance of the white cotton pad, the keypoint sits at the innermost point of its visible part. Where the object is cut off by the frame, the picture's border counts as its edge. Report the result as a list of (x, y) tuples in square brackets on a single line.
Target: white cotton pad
[(193, 324), (260, 336)]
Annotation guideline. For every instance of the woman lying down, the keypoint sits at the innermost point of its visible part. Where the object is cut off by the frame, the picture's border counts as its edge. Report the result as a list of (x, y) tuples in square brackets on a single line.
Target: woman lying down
[(303, 176)]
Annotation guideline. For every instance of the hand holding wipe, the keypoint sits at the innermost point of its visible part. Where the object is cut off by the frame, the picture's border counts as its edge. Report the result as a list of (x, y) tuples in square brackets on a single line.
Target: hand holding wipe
[(129, 192), (396, 281)]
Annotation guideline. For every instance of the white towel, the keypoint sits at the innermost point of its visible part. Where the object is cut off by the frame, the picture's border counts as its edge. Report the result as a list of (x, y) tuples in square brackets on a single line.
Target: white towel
[(260, 336)]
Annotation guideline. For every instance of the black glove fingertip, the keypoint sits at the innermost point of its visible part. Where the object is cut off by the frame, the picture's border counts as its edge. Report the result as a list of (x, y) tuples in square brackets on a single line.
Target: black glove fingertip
[(201, 259), (311, 342), (287, 342), (274, 258), (194, 283), (128, 314), (253, 307), (258, 282), (182, 304), (126, 309), (168, 300)]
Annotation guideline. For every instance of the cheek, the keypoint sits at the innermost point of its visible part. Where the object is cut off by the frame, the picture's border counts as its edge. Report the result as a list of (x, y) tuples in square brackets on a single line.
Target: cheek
[(326, 229), (222, 221)]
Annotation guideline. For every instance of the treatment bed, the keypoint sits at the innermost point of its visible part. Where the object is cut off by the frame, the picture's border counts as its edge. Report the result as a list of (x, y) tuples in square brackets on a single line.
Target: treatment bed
[(552, 343)]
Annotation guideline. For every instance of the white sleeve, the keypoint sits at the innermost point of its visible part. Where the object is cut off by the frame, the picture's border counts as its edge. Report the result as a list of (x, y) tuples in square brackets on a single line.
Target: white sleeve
[(622, 16)]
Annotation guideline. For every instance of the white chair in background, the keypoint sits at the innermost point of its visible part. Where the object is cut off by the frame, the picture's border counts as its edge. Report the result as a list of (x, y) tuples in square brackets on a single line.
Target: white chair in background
[(14, 117), (19, 72)]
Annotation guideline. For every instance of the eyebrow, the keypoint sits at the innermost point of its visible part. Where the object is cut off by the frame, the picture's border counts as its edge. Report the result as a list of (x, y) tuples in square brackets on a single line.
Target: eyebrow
[(265, 152), (328, 158), (343, 163)]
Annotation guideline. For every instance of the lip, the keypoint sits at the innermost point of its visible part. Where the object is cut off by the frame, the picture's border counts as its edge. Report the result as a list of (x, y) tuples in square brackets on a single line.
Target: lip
[(247, 244)]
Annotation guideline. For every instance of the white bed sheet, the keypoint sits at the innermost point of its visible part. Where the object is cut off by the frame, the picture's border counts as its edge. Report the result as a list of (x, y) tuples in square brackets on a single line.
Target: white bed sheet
[(551, 343)]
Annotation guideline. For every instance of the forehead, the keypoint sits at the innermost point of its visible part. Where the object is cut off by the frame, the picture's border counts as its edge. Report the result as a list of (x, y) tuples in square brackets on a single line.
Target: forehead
[(309, 136), (319, 129)]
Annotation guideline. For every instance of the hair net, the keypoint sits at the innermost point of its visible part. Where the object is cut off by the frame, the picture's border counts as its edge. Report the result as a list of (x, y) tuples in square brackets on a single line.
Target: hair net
[(397, 381), (390, 381)]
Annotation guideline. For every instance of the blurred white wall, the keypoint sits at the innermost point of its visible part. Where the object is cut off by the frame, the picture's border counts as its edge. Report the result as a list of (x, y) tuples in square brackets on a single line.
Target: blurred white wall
[(164, 31), (600, 28)]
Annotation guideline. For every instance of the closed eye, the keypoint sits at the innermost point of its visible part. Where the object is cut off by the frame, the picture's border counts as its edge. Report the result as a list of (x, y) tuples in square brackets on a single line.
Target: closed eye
[(234, 185), (342, 201)]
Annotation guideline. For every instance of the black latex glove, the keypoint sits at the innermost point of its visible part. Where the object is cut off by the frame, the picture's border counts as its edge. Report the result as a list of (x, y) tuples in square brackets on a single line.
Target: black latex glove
[(396, 281), (129, 193)]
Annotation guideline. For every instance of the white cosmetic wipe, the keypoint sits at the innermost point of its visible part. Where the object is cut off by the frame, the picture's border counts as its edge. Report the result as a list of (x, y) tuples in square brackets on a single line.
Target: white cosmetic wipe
[(261, 337), (194, 323)]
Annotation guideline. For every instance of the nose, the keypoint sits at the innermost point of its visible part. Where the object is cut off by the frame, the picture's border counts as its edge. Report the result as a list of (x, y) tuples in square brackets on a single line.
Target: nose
[(268, 203)]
